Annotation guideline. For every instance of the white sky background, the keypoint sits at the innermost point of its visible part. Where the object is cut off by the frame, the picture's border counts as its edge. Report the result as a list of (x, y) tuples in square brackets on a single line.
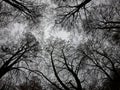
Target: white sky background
[(46, 28)]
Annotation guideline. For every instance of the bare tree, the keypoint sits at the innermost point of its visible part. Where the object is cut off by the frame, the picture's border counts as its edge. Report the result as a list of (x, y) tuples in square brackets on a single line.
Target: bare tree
[(70, 12), (105, 61), (13, 55), (67, 66), (104, 18), (21, 11), (22, 6)]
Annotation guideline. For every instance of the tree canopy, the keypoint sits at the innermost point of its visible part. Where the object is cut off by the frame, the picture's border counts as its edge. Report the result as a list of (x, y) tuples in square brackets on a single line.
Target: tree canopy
[(30, 61)]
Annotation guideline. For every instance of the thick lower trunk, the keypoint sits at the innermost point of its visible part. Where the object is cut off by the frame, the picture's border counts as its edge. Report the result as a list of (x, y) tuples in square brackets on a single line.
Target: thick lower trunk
[(3, 71)]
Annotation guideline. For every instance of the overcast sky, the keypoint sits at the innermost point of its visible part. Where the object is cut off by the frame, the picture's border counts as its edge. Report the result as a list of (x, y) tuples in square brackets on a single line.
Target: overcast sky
[(45, 28)]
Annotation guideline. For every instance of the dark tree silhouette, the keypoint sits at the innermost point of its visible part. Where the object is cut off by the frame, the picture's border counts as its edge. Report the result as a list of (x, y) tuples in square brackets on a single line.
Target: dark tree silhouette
[(65, 61), (106, 63), (70, 12), (12, 55)]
